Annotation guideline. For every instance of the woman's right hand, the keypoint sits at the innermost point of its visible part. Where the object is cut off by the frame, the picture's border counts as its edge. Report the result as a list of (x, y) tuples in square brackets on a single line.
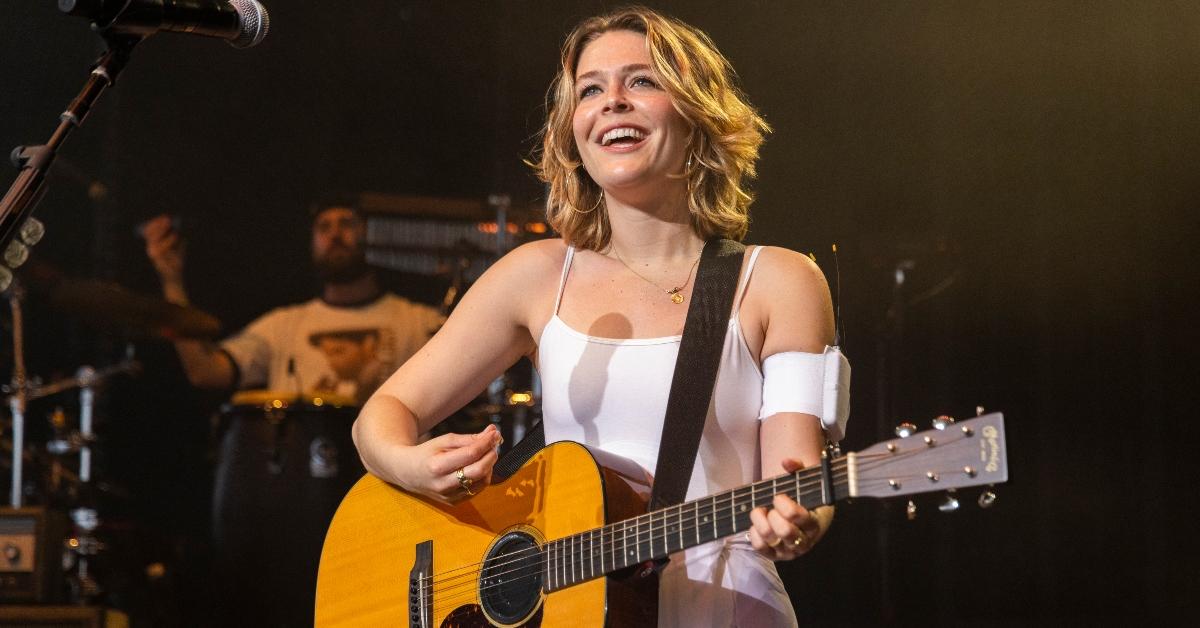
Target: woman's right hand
[(432, 468)]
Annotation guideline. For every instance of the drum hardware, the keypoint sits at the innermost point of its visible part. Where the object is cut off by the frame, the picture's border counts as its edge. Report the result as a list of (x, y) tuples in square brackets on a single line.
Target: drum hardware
[(74, 555), (79, 550), (17, 401)]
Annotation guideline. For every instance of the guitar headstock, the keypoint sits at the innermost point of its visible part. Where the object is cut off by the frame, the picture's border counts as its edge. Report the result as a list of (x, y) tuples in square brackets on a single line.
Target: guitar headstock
[(969, 453)]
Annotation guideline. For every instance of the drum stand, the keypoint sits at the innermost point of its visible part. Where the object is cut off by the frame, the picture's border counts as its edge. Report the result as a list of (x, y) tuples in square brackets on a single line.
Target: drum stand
[(19, 398), (82, 546)]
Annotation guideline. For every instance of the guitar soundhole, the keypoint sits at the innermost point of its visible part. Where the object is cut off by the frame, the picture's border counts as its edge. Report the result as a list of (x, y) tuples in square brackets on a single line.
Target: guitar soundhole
[(511, 582)]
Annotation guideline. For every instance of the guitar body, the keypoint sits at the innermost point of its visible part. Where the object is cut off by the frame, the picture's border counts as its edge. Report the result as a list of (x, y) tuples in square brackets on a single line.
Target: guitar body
[(384, 542)]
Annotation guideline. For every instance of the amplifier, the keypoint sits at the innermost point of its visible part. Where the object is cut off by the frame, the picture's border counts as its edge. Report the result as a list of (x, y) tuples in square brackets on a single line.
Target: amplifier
[(31, 548)]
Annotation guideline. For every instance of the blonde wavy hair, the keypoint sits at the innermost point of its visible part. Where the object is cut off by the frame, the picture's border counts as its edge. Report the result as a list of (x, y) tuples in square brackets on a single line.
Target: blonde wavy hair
[(726, 131)]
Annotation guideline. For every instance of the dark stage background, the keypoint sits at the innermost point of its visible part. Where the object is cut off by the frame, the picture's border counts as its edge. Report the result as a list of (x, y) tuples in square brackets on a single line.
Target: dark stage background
[(1034, 162)]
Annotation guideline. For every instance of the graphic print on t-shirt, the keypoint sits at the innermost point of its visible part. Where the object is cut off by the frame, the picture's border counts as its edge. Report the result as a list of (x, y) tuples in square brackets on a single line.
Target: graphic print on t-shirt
[(360, 359)]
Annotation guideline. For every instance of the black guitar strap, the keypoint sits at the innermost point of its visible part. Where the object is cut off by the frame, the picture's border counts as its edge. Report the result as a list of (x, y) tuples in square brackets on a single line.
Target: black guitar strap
[(696, 370), (692, 384)]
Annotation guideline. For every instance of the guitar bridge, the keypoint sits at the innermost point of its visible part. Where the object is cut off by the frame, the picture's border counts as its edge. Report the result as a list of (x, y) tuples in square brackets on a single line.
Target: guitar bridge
[(420, 587)]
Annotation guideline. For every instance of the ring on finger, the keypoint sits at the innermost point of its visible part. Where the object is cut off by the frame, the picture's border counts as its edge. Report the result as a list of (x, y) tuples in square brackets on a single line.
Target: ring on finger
[(463, 480), (775, 543), (800, 538)]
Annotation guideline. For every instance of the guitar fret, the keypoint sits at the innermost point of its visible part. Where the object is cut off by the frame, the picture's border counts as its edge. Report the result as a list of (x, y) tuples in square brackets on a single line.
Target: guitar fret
[(696, 519), (653, 533), (649, 538), (732, 510), (713, 501), (602, 549), (624, 543), (637, 538), (679, 525)]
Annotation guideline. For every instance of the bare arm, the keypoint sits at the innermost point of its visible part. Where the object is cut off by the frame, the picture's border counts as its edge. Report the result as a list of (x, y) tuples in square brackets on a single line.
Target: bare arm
[(486, 334), (797, 317), (205, 365)]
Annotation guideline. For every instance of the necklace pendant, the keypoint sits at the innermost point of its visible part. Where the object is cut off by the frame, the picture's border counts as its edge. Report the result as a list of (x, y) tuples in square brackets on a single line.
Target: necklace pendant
[(677, 297)]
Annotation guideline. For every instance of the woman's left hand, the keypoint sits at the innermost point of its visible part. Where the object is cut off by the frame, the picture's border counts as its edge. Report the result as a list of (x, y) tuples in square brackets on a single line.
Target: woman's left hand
[(786, 531)]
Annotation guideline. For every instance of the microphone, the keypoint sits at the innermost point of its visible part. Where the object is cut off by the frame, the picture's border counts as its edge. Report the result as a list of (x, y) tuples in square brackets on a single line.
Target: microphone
[(243, 23)]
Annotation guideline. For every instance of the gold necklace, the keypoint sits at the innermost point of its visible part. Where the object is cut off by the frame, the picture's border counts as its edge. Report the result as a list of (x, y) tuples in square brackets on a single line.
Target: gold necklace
[(676, 292)]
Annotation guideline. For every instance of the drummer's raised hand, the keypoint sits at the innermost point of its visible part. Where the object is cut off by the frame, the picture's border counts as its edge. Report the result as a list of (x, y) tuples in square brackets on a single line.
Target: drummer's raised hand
[(165, 247), (453, 467)]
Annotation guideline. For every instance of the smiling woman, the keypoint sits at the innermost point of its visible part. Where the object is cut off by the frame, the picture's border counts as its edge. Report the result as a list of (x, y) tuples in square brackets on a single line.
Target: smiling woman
[(682, 64), (647, 148)]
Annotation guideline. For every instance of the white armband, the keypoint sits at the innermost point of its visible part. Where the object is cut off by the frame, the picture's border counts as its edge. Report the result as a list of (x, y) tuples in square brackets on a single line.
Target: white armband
[(811, 383)]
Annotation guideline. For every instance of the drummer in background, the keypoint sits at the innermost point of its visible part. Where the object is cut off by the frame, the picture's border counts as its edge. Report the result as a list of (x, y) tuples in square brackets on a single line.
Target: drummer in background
[(339, 342)]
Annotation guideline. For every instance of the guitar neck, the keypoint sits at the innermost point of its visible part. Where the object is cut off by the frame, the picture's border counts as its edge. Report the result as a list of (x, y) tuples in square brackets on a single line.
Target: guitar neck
[(970, 453), (657, 534)]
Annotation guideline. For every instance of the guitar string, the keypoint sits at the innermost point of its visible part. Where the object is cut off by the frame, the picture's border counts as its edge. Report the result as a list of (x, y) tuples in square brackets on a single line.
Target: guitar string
[(753, 493), (809, 473), (532, 571), (652, 528), (457, 597), (444, 582), (640, 536), (634, 521)]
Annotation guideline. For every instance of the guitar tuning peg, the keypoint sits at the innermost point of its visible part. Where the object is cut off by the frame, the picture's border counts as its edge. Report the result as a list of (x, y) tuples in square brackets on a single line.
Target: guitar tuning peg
[(987, 499), (943, 422), (32, 231), (910, 510), (979, 410), (905, 429), (949, 502), (6, 277)]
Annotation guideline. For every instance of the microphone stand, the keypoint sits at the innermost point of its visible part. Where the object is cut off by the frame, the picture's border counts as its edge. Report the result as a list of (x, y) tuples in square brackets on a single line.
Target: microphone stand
[(35, 161)]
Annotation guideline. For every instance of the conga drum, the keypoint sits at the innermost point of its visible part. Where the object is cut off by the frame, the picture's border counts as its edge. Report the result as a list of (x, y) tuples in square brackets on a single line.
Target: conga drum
[(284, 463)]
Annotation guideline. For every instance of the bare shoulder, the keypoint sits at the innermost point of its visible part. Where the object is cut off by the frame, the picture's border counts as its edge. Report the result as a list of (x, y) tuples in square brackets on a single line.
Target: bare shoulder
[(781, 269), (527, 264), (790, 297), (519, 282)]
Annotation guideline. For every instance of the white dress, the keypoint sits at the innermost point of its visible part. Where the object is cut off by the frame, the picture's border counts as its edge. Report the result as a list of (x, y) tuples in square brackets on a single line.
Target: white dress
[(611, 395)]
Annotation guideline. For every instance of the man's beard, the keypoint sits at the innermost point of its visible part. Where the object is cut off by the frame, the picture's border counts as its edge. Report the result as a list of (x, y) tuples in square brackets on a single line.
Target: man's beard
[(342, 269)]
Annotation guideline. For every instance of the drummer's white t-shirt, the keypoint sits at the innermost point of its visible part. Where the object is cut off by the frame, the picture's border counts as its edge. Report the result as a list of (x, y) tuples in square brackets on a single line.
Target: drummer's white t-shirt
[(345, 350)]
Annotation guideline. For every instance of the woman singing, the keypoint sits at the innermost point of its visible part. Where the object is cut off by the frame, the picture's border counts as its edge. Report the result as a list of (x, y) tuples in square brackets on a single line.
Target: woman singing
[(647, 149)]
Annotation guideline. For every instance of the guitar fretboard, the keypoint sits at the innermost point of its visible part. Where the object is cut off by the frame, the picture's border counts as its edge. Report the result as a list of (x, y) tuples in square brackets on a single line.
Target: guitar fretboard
[(653, 536)]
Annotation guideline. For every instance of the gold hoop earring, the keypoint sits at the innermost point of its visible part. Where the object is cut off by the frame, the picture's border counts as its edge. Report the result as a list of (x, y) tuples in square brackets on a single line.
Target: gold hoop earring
[(598, 201)]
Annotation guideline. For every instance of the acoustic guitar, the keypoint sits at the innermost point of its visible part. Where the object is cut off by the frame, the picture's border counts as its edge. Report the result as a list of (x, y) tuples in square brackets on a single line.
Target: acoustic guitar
[(566, 541)]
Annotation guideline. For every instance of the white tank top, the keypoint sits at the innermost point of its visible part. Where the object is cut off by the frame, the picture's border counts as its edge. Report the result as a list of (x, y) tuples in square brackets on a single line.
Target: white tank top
[(611, 395)]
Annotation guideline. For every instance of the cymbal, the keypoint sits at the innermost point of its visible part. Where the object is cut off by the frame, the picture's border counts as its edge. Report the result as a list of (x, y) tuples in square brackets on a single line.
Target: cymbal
[(108, 306)]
